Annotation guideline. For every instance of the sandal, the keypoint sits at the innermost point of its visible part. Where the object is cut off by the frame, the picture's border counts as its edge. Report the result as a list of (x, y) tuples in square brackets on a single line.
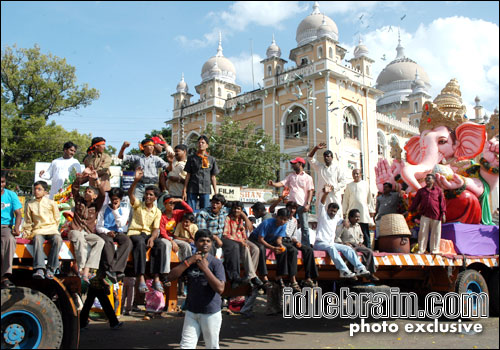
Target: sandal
[(308, 283), (158, 287), (281, 283), (295, 287), (143, 288)]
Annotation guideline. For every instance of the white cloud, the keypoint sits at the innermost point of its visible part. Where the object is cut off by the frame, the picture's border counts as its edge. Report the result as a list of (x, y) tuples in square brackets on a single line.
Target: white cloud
[(263, 13), (343, 7), (454, 47), (240, 15), (243, 66), (209, 39)]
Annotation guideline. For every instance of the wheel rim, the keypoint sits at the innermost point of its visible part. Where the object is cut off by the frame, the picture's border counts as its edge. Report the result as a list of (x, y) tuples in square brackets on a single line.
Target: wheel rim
[(21, 330), (474, 287)]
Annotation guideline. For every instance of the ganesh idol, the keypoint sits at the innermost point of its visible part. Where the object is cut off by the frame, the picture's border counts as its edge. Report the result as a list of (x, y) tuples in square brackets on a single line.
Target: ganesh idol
[(463, 156)]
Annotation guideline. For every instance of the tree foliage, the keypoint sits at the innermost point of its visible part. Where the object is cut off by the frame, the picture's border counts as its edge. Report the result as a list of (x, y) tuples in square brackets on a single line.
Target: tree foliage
[(246, 156), (34, 87), (41, 85)]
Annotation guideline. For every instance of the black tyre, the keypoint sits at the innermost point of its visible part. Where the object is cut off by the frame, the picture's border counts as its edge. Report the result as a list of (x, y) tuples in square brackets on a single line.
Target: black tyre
[(493, 293), (471, 281), (30, 320)]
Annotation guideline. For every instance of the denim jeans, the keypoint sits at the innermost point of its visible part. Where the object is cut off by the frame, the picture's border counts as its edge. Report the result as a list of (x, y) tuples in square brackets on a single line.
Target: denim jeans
[(304, 225), (202, 198), (56, 243), (195, 324), (334, 249)]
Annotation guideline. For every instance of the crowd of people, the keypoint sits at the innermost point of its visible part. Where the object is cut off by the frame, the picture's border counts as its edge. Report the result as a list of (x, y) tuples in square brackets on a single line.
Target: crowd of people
[(171, 210)]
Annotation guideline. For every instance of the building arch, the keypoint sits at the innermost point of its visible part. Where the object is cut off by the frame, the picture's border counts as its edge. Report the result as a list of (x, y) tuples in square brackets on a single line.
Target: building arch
[(295, 122), (352, 124), (192, 142), (381, 144)]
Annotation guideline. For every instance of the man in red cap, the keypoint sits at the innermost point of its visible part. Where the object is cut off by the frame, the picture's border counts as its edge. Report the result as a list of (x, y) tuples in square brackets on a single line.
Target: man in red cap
[(301, 191), (160, 145)]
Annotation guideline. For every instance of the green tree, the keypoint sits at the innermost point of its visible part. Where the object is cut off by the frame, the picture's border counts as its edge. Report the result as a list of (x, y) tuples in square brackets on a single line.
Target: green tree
[(34, 87), (245, 156), (35, 84)]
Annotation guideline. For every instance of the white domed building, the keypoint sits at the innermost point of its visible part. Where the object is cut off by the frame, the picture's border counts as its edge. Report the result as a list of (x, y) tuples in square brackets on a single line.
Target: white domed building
[(315, 97), (405, 85)]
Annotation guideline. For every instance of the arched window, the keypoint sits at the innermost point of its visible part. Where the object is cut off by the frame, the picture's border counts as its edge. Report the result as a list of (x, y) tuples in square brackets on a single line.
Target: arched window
[(367, 70), (204, 96), (278, 69), (330, 52), (394, 141), (219, 92), (415, 107), (192, 142), (320, 52), (211, 92), (296, 123), (351, 127), (229, 96), (177, 103), (358, 67), (381, 144), (269, 71), (304, 61)]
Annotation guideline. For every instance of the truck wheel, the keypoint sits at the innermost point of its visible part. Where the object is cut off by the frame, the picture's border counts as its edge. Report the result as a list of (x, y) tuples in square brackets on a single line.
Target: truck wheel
[(493, 288), (471, 281), (30, 320)]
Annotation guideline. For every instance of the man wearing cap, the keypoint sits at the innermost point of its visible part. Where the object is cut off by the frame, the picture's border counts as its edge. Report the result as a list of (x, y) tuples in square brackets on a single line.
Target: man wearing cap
[(99, 161), (148, 162), (328, 174), (301, 192), (162, 148)]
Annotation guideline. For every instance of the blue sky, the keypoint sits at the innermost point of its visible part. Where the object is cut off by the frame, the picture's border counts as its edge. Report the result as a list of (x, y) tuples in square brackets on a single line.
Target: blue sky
[(135, 52)]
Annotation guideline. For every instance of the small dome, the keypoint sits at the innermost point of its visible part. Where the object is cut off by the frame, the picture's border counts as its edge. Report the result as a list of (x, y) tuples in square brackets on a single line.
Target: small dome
[(182, 86), (360, 50), (307, 30), (418, 84), (273, 50), (325, 30), (218, 66)]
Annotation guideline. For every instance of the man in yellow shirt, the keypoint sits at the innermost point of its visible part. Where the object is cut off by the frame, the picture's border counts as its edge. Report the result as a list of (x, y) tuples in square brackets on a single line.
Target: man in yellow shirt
[(41, 222), (144, 231)]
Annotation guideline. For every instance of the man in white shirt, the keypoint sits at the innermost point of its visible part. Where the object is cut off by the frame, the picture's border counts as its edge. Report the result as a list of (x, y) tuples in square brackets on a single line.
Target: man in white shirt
[(112, 227), (325, 239), (358, 196), (328, 174), (60, 168)]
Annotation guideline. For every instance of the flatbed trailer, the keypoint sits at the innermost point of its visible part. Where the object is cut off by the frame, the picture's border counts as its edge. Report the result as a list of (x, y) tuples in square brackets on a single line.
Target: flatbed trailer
[(44, 313)]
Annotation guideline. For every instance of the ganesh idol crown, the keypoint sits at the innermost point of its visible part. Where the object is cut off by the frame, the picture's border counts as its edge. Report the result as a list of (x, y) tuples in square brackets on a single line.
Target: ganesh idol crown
[(463, 156)]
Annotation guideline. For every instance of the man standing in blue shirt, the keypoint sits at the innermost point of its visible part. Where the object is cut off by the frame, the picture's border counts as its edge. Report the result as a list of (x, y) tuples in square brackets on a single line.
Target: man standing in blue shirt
[(206, 281), (269, 234), (11, 206)]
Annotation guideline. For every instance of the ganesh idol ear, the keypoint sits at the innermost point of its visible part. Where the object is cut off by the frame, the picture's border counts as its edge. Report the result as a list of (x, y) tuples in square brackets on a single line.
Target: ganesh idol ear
[(413, 151), (471, 138)]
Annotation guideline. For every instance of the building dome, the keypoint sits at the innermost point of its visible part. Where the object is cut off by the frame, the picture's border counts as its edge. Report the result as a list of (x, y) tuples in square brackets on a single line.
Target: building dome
[(325, 30), (418, 84), (273, 50), (219, 67), (182, 86), (360, 50), (402, 68), (307, 30)]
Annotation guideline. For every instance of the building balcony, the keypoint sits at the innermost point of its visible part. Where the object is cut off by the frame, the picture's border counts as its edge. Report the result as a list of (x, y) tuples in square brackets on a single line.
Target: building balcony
[(397, 124)]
